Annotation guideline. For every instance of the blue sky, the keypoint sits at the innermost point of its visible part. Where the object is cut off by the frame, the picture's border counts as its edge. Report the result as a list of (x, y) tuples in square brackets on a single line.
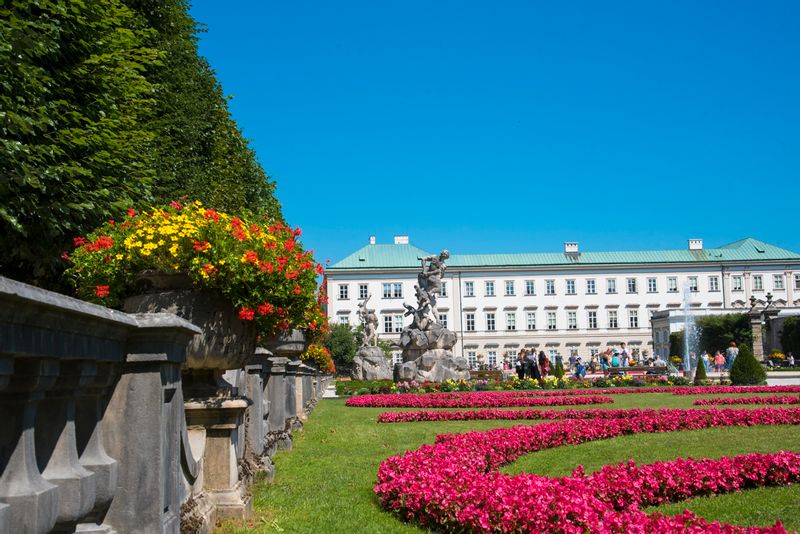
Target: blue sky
[(514, 126)]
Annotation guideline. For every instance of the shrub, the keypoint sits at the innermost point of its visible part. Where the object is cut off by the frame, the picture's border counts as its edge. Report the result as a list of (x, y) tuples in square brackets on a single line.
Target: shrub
[(717, 331), (700, 376), (790, 335), (558, 372), (746, 370), (342, 344)]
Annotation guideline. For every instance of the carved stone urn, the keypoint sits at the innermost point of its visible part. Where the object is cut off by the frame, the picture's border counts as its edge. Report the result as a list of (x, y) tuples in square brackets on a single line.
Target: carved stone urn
[(226, 342)]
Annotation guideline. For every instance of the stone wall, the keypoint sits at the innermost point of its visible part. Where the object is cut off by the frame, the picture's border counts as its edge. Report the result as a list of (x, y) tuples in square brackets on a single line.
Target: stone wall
[(95, 435)]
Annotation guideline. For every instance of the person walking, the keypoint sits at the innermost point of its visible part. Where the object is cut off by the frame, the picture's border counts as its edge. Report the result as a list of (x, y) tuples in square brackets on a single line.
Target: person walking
[(719, 361), (544, 364), (519, 365), (730, 354)]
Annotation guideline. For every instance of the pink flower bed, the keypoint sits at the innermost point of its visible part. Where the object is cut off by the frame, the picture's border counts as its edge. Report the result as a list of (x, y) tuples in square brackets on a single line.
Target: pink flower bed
[(777, 399), (511, 415), (470, 400), (454, 484), (707, 390)]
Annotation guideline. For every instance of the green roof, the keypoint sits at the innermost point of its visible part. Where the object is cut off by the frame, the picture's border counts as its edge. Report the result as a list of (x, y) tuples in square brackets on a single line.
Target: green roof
[(405, 256)]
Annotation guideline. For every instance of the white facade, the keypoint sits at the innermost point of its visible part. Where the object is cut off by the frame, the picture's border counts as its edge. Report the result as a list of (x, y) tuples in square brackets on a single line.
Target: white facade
[(559, 308)]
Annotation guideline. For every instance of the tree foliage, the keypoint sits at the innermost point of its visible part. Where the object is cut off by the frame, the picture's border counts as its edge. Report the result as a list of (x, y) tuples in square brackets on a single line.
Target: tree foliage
[(342, 344), (717, 331), (676, 344), (106, 106), (790, 335), (746, 370), (74, 148), (700, 375)]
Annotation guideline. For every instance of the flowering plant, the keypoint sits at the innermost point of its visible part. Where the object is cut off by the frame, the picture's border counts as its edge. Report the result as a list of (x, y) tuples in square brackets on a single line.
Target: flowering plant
[(481, 399), (455, 482), (261, 268), (775, 399), (320, 355)]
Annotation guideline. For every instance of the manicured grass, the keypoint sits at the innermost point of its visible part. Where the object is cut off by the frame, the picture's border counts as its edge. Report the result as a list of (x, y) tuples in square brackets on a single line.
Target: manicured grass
[(325, 483)]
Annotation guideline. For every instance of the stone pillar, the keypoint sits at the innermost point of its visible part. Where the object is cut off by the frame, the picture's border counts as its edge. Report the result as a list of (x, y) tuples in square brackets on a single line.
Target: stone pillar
[(257, 450), (278, 434), (758, 340), (726, 289), (144, 419), (294, 396), (789, 277), (748, 289)]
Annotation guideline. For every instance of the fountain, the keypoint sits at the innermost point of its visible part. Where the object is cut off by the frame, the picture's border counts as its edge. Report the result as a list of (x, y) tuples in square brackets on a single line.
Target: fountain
[(690, 334)]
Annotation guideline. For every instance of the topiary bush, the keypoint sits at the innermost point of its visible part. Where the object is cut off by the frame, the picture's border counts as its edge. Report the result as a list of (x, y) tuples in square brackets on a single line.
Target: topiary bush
[(558, 371), (700, 376), (746, 370)]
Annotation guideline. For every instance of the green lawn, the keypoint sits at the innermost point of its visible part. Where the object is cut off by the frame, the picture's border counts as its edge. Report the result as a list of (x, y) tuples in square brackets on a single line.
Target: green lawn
[(325, 483)]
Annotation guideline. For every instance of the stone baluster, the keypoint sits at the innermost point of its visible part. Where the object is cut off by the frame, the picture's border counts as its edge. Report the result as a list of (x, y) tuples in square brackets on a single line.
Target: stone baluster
[(32, 503), (294, 399), (57, 448), (278, 435)]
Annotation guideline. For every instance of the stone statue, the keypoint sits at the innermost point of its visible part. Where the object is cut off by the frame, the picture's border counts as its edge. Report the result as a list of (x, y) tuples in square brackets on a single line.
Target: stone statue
[(369, 320), (430, 279), (427, 345)]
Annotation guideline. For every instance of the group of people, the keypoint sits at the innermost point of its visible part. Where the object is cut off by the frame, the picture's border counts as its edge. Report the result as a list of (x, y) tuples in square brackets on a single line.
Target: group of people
[(719, 362), (529, 365)]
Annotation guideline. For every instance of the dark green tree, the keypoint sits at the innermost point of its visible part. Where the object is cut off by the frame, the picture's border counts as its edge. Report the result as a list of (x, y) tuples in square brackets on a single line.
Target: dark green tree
[(342, 344), (558, 370), (700, 375), (73, 148), (200, 151), (790, 335), (717, 331), (676, 344), (746, 370)]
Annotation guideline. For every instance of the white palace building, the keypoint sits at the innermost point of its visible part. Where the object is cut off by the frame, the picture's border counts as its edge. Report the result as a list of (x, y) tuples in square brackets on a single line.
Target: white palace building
[(564, 302)]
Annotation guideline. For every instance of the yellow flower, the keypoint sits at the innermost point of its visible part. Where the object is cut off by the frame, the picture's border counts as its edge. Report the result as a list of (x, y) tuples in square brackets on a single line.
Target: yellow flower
[(119, 256)]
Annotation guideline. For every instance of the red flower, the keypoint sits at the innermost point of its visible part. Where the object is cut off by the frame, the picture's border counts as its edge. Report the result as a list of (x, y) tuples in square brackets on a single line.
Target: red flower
[(78, 241), (289, 245), (64, 255), (297, 290), (298, 232), (101, 291), (131, 212), (251, 257), (111, 222), (292, 274), (201, 246), (176, 205), (264, 309), (320, 269), (211, 215), (246, 314)]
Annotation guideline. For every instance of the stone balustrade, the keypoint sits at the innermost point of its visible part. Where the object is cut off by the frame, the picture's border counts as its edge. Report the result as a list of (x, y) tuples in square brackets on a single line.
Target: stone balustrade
[(95, 436)]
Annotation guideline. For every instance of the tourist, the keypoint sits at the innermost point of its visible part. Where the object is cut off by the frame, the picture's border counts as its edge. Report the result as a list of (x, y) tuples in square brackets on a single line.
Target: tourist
[(623, 355), (719, 361), (790, 359), (580, 370), (573, 359), (533, 367), (519, 365), (615, 358), (704, 357), (730, 354), (544, 364)]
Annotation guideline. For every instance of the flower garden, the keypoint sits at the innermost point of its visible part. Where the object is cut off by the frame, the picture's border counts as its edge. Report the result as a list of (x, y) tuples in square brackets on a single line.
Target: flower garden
[(615, 459)]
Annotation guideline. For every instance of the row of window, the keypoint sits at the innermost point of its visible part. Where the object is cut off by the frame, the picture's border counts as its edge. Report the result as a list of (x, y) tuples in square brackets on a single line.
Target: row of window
[(394, 290), (393, 324)]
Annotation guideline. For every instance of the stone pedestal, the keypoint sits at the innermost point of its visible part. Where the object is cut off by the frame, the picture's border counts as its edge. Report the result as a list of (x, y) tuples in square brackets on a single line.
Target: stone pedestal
[(278, 434), (758, 339), (215, 423), (370, 363)]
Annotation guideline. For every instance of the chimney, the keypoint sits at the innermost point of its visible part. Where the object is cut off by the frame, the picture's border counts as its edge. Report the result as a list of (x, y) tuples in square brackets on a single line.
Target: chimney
[(372, 240), (695, 244), (570, 247), (401, 240)]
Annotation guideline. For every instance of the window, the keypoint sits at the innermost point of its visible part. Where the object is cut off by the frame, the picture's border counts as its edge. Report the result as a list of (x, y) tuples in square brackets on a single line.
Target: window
[(443, 320), (672, 284), (509, 288), (551, 320), (393, 291), (652, 285), (530, 288), (633, 318), (693, 284), (591, 287), (613, 321), (797, 281), (570, 287), (713, 283), (398, 323), (611, 285), (553, 354), (444, 289), (511, 321), (490, 289), (736, 283), (777, 281), (490, 326), (530, 321), (572, 320), (472, 358), (470, 322), (343, 292), (549, 287), (343, 319), (469, 289), (388, 324), (491, 356), (593, 353), (758, 282), (512, 355), (631, 285), (397, 357), (363, 291), (592, 319)]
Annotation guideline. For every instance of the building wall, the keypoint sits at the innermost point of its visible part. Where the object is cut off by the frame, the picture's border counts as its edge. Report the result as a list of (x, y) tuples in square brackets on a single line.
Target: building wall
[(457, 303)]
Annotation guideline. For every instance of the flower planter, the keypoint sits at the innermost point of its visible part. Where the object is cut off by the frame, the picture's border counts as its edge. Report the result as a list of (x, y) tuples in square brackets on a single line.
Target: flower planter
[(287, 343)]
